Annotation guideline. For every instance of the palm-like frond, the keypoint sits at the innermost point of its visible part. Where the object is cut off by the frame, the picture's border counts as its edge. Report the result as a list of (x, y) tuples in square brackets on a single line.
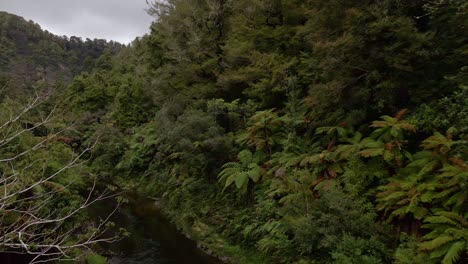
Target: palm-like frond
[(448, 237), (453, 186), (441, 144), (263, 131), (453, 254), (404, 195), (241, 172)]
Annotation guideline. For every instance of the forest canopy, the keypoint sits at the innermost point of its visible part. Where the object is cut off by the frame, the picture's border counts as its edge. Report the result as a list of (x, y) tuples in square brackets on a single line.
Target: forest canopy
[(280, 131)]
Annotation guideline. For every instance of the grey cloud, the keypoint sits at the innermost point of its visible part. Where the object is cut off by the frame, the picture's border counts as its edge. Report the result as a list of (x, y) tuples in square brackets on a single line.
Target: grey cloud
[(120, 20)]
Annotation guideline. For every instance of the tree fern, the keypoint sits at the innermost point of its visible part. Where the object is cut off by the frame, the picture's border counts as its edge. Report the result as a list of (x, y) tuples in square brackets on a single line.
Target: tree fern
[(388, 139), (263, 131), (293, 189), (452, 189), (448, 236), (392, 129), (434, 177), (241, 172)]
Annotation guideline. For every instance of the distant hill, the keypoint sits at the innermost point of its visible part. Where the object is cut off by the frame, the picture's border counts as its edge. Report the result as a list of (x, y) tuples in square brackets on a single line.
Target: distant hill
[(30, 55)]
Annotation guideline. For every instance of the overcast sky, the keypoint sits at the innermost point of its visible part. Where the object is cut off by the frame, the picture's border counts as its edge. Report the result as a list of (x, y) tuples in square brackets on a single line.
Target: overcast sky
[(120, 20)]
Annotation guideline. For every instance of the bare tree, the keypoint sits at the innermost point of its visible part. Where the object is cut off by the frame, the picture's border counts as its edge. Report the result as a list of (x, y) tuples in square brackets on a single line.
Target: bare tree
[(32, 222)]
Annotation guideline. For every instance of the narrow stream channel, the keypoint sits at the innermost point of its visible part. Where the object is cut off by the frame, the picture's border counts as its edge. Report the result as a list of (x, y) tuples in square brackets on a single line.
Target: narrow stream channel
[(153, 240)]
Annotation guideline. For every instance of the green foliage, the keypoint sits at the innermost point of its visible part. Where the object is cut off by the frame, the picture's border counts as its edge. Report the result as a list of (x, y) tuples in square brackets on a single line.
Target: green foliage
[(408, 253), (293, 103), (388, 139), (356, 250), (336, 215), (96, 259), (241, 173), (436, 176), (444, 113), (43, 181), (364, 72), (263, 131), (448, 238), (29, 55)]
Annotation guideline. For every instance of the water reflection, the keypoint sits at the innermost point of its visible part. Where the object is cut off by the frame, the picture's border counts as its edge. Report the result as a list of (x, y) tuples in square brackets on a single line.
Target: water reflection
[(153, 240)]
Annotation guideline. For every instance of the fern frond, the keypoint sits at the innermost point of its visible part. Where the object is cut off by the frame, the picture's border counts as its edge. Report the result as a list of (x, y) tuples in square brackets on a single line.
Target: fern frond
[(453, 254), (435, 243)]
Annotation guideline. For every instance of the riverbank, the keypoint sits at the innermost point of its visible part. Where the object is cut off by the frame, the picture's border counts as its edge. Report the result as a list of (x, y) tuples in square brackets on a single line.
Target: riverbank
[(153, 238), (199, 235), (207, 236)]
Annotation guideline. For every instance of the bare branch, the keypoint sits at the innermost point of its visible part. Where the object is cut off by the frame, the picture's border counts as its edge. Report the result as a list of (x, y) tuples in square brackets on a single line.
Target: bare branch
[(29, 221)]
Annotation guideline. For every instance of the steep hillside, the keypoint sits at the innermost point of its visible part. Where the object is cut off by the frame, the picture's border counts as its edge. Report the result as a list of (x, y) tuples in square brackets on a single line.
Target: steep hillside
[(273, 131), (30, 55), (293, 131)]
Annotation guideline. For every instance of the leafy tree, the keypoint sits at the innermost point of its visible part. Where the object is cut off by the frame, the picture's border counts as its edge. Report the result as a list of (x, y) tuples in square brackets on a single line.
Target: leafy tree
[(29, 54), (42, 209), (357, 250), (408, 252), (360, 72), (300, 86), (337, 216)]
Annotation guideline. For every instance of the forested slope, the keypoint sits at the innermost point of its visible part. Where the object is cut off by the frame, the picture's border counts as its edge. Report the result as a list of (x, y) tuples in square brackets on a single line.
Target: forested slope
[(46, 188), (30, 56), (291, 131), (295, 131)]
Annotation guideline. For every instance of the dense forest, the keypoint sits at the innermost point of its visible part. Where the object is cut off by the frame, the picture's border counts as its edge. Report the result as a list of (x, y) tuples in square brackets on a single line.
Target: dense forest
[(269, 131), (30, 56)]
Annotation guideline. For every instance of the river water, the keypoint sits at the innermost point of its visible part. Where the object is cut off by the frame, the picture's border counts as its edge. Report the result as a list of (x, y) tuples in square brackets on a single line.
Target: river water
[(153, 239)]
